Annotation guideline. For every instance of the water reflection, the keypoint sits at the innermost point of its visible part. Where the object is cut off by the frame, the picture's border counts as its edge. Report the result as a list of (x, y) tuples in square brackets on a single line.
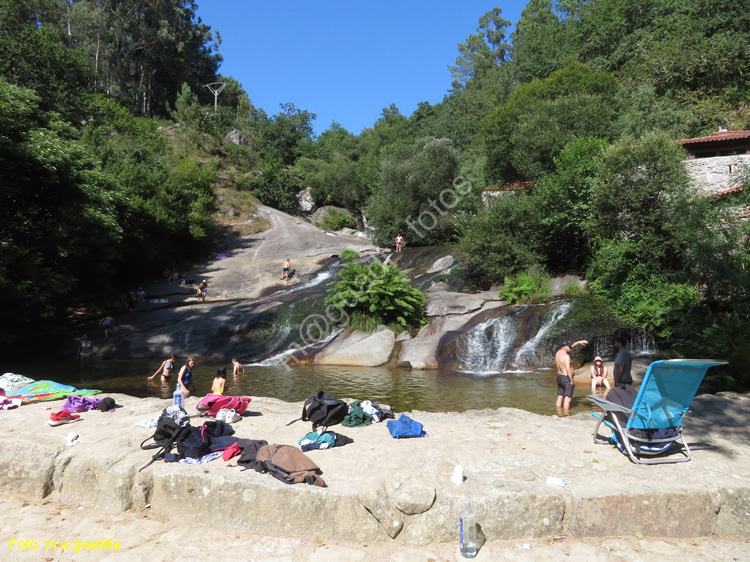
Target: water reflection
[(402, 389)]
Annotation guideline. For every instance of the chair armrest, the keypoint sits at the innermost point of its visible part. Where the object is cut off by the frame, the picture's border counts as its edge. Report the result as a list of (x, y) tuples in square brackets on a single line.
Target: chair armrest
[(608, 406)]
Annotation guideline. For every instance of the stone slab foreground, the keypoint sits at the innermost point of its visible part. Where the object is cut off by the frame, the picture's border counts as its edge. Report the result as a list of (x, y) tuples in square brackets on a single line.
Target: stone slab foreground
[(383, 489)]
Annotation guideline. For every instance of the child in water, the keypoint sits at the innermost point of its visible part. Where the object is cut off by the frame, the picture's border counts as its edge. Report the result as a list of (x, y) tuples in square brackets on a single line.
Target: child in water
[(218, 386)]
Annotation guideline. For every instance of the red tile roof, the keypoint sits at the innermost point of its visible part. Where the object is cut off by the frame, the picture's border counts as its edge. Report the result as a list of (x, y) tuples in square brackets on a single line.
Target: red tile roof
[(717, 136), (735, 189)]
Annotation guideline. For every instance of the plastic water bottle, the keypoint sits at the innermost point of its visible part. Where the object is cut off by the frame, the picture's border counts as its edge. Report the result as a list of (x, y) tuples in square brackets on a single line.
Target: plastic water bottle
[(178, 396), (468, 531)]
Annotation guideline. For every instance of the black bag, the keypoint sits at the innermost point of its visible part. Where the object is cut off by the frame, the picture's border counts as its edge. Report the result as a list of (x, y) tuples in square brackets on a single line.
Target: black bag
[(168, 431), (323, 410)]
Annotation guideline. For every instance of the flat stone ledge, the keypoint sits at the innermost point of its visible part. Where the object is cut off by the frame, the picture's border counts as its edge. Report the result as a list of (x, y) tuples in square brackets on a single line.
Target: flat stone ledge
[(382, 489)]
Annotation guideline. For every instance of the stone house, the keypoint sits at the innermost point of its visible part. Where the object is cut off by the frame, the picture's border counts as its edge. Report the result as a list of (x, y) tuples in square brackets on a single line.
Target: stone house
[(717, 162)]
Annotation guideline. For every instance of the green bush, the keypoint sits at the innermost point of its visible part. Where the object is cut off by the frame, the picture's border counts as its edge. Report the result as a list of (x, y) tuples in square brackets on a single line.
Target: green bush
[(525, 288), (374, 294), (336, 220), (573, 290), (349, 255)]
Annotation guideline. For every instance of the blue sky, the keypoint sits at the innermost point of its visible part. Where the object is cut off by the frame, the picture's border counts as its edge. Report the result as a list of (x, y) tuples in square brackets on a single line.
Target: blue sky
[(345, 61)]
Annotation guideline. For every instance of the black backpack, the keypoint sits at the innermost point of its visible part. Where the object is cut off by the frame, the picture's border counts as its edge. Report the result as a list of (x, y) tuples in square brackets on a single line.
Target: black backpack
[(168, 431), (323, 410)]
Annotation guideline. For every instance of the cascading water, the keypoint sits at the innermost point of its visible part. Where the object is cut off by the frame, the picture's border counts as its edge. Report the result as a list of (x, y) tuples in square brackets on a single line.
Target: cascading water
[(488, 348), (283, 357), (483, 354), (526, 355), (327, 274)]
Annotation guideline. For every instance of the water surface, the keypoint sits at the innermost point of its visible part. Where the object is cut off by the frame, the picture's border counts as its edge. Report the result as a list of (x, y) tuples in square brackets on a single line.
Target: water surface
[(402, 389)]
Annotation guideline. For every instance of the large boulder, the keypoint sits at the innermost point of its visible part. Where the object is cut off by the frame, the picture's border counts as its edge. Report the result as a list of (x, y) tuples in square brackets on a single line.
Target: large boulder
[(441, 264), (235, 137), (305, 201), (359, 349)]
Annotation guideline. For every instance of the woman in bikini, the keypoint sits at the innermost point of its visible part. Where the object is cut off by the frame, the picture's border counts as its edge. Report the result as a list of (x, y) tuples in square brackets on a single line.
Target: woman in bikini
[(85, 350), (598, 374), (165, 369)]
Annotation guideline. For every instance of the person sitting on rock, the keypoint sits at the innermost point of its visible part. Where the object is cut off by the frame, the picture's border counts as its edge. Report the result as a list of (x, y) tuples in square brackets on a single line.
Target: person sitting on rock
[(598, 374)]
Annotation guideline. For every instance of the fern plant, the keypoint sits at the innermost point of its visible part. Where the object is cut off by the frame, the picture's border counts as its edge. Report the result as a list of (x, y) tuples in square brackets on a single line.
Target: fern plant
[(373, 294)]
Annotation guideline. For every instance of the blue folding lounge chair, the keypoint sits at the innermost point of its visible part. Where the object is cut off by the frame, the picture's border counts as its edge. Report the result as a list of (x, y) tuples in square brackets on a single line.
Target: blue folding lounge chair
[(654, 422)]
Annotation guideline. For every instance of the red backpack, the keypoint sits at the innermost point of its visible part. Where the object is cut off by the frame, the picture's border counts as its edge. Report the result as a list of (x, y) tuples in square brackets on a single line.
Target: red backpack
[(212, 403)]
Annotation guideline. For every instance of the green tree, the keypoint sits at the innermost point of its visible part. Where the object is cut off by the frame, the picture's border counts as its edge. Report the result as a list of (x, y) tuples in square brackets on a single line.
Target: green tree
[(640, 225), (523, 136), (564, 201), (275, 186), (187, 113), (420, 194), (505, 238), (57, 211), (483, 50)]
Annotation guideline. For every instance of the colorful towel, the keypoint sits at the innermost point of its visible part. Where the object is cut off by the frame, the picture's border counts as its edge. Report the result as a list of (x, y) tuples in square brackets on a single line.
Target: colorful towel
[(41, 391), (9, 381)]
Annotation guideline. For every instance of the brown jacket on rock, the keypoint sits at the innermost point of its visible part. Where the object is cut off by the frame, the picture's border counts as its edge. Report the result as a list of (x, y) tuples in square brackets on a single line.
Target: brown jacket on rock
[(288, 464)]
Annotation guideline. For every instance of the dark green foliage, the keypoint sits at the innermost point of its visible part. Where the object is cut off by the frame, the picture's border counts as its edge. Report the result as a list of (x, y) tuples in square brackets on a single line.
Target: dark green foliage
[(420, 194), (373, 294), (505, 238), (58, 227), (275, 187), (564, 203), (33, 56), (163, 198), (526, 133), (336, 220)]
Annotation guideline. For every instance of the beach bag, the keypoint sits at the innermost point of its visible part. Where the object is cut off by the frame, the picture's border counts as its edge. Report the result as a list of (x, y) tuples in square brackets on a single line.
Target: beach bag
[(323, 410), (405, 427), (212, 403)]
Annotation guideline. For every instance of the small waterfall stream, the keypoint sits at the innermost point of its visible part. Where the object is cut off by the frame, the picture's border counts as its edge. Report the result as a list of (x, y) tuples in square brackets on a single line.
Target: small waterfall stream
[(327, 274), (492, 346), (526, 356)]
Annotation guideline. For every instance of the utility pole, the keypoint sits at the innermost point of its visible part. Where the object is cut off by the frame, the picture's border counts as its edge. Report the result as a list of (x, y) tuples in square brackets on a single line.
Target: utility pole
[(216, 88)]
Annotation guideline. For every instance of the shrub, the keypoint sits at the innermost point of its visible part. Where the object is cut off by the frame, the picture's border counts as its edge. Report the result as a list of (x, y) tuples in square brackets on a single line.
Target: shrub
[(336, 220), (525, 288), (374, 294)]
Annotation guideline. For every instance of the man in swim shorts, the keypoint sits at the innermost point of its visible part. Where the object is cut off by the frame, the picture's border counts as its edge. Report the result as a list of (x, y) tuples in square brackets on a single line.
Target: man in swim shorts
[(399, 242), (285, 269), (565, 374)]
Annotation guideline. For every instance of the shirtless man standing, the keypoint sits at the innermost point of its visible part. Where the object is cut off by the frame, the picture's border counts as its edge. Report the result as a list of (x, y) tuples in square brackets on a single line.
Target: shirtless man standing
[(399, 242), (565, 374)]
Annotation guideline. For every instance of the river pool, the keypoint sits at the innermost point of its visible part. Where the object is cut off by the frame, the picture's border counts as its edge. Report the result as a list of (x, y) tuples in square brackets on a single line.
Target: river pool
[(401, 389)]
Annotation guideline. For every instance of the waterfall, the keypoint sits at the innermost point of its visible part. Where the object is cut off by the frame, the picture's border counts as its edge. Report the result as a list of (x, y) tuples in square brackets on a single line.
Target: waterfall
[(488, 348), (481, 354), (366, 231), (526, 355), (324, 275), (642, 343), (283, 357)]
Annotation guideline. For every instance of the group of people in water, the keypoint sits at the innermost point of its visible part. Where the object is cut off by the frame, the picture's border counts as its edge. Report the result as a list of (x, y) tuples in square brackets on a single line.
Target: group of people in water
[(185, 374), (598, 371)]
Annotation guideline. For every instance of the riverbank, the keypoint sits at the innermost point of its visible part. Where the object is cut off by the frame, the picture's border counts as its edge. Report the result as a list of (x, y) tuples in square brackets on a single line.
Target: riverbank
[(386, 491)]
